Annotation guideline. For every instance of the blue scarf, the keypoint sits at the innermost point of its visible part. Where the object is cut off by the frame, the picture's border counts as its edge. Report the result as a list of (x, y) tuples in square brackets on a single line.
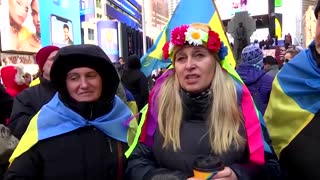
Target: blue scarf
[(55, 119)]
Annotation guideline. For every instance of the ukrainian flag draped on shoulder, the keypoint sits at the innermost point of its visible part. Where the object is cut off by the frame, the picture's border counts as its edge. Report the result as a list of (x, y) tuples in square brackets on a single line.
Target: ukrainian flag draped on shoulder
[(55, 119), (294, 99), (187, 12)]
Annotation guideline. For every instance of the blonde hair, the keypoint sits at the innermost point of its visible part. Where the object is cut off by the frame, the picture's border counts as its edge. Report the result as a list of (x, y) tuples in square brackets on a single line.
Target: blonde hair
[(224, 118)]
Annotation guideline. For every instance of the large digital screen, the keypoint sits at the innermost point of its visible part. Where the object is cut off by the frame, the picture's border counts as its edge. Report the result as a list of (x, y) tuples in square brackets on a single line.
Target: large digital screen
[(86, 10), (60, 22), (108, 38), (22, 30), (61, 31), (228, 8), (20, 25)]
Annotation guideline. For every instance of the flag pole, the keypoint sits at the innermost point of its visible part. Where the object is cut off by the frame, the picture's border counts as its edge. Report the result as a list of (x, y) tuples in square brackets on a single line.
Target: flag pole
[(144, 40)]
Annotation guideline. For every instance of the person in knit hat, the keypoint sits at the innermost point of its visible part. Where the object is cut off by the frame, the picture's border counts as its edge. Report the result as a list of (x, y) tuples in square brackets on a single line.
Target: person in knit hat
[(293, 113), (258, 82), (44, 66), (29, 101), (13, 80)]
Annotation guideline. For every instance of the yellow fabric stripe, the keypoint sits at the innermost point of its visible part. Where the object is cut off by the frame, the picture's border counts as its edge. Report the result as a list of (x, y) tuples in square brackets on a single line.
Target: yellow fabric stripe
[(133, 125), (284, 118), (34, 82), (143, 112), (133, 106), (132, 131), (157, 53), (29, 139), (216, 24)]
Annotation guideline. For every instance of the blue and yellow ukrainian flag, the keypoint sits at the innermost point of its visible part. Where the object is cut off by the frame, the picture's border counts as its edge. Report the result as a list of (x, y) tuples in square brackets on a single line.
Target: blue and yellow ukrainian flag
[(55, 119), (294, 99), (187, 12)]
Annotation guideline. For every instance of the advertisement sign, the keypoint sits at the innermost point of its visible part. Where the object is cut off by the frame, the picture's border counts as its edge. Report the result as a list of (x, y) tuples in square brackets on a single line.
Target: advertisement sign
[(227, 8), (112, 12), (128, 8), (86, 10), (60, 22), (8, 59), (20, 25), (108, 38), (21, 28), (277, 3), (136, 4)]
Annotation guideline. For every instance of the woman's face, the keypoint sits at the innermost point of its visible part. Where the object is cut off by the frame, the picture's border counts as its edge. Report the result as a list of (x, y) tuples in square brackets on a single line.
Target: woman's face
[(287, 58), (84, 84), (18, 11), (195, 68)]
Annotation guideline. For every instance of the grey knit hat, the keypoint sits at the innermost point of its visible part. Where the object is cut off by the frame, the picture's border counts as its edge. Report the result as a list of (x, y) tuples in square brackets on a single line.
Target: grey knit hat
[(252, 55)]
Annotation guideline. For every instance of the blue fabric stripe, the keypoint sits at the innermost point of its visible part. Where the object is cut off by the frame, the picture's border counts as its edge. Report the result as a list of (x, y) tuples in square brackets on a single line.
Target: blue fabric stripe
[(129, 95), (299, 79), (55, 119), (191, 11)]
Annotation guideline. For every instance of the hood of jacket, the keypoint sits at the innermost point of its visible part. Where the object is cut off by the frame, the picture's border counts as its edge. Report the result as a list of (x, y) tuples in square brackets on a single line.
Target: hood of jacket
[(249, 73), (91, 56)]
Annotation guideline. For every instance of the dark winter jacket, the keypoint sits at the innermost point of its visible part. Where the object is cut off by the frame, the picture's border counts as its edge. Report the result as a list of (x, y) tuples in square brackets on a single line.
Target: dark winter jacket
[(300, 159), (273, 70), (137, 83), (27, 104), (90, 152), (258, 82), (87, 152), (155, 162), (6, 102)]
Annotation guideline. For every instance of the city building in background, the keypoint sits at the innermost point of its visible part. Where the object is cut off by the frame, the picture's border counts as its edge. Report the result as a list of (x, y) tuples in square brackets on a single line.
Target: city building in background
[(156, 16), (309, 26), (119, 19), (172, 4)]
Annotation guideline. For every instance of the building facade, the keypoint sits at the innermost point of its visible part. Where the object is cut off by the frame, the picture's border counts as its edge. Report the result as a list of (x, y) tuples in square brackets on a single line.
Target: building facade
[(172, 4)]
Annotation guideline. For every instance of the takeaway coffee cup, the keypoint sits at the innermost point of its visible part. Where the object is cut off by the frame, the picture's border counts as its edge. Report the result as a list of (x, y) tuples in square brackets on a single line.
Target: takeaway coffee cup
[(206, 167)]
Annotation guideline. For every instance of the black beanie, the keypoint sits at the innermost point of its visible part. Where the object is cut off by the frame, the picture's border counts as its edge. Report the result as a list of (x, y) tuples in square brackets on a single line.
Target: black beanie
[(90, 56), (316, 10), (270, 60)]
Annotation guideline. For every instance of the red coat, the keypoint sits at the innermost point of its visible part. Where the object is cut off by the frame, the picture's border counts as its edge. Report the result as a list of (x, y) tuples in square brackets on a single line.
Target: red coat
[(13, 81)]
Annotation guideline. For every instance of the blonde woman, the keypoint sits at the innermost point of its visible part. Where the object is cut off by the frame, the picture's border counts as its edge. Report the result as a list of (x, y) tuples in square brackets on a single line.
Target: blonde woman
[(197, 109)]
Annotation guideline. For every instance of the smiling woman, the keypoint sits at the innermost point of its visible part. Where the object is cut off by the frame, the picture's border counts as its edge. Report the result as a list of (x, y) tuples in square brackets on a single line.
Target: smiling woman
[(84, 84)]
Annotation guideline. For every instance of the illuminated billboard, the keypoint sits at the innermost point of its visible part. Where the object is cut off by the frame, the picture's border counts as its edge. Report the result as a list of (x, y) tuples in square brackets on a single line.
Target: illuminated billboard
[(22, 30), (86, 10), (20, 26), (60, 22), (227, 8), (108, 38)]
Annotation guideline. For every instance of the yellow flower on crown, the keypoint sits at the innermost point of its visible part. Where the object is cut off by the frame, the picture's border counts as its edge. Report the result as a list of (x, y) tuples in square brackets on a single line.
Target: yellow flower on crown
[(196, 36)]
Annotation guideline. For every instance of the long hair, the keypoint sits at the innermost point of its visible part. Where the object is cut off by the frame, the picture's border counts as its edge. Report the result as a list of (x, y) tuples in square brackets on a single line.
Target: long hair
[(224, 119)]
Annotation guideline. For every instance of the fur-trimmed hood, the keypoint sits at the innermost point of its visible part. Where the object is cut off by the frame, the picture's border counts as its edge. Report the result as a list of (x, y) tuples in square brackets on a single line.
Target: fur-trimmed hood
[(12, 78)]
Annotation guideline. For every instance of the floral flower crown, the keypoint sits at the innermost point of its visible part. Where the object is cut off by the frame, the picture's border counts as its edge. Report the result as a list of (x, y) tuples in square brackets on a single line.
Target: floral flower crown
[(186, 34)]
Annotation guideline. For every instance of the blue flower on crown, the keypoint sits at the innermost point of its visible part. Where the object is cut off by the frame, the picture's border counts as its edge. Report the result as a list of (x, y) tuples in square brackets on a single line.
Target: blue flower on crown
[(223, 52)]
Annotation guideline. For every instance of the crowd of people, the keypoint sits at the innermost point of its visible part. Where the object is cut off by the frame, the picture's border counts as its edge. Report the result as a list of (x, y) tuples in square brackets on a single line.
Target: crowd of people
[(87, 118)]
